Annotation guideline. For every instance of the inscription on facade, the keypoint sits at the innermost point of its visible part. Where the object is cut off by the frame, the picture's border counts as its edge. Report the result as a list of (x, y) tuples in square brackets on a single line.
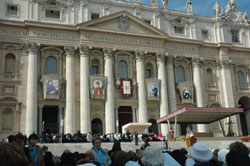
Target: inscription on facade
[(121, 40), (53, 35), (13, 32)]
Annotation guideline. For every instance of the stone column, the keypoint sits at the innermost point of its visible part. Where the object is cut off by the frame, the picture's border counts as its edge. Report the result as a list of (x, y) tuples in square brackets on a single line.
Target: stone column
[(31, 105), (60, 118), (171, 84), (109, 104), (117, 119), (134, 114), (40, 121), (164, 93), (84, 90), (198, 91), (140, 76), (70, 90)]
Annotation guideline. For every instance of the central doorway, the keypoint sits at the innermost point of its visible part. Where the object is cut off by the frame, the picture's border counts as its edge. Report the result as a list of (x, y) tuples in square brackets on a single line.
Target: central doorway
[(50, 119), (124, 116)]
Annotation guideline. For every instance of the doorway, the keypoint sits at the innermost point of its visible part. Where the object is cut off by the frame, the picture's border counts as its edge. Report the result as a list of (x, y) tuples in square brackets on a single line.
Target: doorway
[(124, 116), (50, 119), (96, 126), (154, 127)]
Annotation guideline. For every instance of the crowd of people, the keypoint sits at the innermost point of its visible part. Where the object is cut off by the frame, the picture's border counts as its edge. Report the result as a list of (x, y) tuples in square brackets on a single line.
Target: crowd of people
[(16, 153)]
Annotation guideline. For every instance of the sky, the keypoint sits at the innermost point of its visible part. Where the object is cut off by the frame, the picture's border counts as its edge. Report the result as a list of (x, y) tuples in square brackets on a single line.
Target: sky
[(205, 7)]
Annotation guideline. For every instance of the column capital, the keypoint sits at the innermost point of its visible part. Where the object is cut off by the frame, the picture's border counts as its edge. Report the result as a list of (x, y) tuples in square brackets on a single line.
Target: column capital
[(196, 62), (84, 50), (40, 106), (60, 106), (31, 47), (83, 2), (70, 50), (108, 52), (224, 64), (170, 59), (161, 56), (139, 54)]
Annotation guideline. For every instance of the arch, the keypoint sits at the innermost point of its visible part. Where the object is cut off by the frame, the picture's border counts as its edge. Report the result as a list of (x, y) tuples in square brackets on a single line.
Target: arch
[(95, 66), (7, 120), (122, 69), (149, 70), (10, 64), (96, 126), (241, 79), (244, 103), (154, 127), (51, 65), (180, 74)]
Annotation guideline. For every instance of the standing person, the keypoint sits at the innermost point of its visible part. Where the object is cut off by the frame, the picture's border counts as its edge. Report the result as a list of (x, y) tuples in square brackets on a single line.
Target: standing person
[(36, 151), (136, 139), (100, 155), (146, 144), (128, 135)]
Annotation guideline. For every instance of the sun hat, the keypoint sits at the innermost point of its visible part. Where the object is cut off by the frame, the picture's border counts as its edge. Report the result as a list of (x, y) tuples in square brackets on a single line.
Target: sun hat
[(222, 155), (200, 152), (169, 160), (132, 163)]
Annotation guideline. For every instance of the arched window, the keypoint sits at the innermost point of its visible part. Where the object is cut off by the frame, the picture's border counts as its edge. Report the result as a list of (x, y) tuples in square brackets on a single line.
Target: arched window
[(51, 65), (180, 74), (7, 120), (210, 77), (122, 69), (95, 67), (10, 64), (96, 126), (149, 70), (241, 79)]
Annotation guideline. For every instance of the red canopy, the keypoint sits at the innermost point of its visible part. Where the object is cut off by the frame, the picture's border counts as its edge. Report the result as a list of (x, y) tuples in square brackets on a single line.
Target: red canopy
[(199, 115)]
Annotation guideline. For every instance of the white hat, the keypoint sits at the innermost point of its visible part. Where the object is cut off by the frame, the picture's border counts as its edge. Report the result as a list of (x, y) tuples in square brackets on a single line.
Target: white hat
[(200, 152), (222, 155)]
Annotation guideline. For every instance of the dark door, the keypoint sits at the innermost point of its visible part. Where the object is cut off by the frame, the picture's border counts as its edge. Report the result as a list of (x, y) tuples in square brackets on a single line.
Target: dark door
[(50, 119), (124, 116)]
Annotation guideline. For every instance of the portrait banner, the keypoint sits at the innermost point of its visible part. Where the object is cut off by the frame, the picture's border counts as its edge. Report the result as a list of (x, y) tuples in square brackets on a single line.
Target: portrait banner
[(153, 89), (97, 87), (126, 87), (186, 92), (51, 88)]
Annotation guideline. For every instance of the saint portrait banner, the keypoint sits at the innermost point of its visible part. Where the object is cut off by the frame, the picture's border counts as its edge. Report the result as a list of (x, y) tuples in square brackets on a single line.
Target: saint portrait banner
[(51, 88), (186, 92), (153, 89), (126, 87), (97, 87)]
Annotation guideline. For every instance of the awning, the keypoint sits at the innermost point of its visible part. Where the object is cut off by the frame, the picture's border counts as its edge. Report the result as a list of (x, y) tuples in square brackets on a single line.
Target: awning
[(199, 115), (136, 127)]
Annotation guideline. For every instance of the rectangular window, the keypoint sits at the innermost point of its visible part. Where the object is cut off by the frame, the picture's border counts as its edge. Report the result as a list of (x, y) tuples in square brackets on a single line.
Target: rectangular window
[(147, 21), (95, 70), (235, 36), (54, 14), (94, 16), (178, 29), (204, 34), (12, 10)]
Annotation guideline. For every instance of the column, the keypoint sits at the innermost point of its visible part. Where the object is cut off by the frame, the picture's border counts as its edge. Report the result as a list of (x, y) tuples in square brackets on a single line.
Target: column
[(117, 119), (133, 114), (70, 90), (109, 104), (171, 84), (31, 105), (40, 121), (140, 76), (199, 92), (60, 118), (84, 90), (163, 95)]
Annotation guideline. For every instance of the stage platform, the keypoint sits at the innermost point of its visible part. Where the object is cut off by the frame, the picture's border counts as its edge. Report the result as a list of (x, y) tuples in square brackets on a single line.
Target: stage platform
[(213, 142)]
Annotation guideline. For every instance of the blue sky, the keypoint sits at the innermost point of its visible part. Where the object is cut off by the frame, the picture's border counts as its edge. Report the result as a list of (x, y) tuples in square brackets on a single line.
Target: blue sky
[(205, 7)]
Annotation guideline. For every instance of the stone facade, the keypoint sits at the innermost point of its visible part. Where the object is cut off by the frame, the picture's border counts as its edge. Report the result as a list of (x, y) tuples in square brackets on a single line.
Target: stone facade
[(64, 65)]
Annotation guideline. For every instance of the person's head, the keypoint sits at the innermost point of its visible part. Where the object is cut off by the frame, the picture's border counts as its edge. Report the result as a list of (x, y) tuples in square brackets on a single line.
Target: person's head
[(11, 138), (237, 158), (90, 155), (120, 158), (19, 140), (132, 156), (146, 139), (45, 148), (152, 156), (239, 146), (33, 139), (200, 152), (97, 142), (48, 159), (11, 155), (116, 146)]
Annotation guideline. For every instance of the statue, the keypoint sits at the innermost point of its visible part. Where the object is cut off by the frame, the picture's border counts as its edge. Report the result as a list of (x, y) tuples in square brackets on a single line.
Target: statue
[(164, 3), (189, 6), (245, 17), (217, 9)]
